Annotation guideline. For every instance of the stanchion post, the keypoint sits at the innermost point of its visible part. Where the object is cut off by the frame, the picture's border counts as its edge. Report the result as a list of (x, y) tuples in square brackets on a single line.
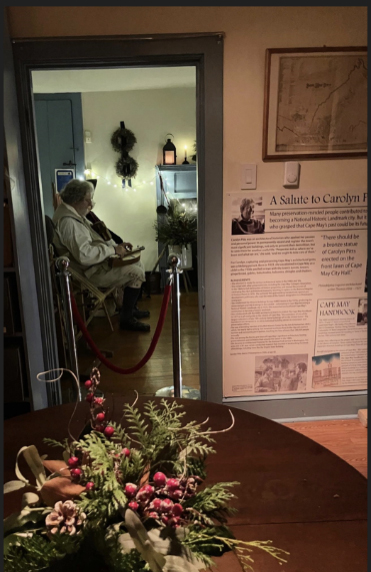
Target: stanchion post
[(62, 264), (173, 262)]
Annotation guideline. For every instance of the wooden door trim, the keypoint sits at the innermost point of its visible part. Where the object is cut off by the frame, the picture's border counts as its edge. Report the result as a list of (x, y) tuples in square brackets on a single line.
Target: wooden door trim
[(206, 53)]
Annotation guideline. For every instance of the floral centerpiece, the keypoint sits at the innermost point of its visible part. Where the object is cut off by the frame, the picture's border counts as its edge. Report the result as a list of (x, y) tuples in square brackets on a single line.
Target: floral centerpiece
[(127, 497)]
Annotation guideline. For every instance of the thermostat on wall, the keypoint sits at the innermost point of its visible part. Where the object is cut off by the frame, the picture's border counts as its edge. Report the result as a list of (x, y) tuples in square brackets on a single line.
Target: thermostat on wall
[(248, 176), (292, 172)]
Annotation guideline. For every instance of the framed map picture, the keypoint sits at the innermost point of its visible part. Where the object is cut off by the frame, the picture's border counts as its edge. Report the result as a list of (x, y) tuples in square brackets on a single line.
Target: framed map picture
[(315, 103)]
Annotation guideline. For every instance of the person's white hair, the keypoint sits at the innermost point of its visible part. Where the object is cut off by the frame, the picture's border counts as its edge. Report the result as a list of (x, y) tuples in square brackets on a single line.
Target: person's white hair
[(75, 191), (246, 203)]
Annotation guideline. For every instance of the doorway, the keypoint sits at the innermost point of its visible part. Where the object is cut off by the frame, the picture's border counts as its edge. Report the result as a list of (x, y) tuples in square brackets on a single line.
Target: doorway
[(206, 54), (76, 115)]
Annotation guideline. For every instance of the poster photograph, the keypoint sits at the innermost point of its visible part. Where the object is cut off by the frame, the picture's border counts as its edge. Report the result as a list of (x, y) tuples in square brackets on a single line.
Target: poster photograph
[(284, 373), (326, 371), (295, 294)]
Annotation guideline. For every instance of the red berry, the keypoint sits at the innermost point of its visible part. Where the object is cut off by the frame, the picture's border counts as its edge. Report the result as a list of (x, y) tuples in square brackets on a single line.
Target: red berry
[(99, 428), (109, 431), (73, 462), (165, 519), (145, 492), (174, 521), (88, 383), (89, 486), (133, 505), (159, 479), (100, 417), (156, 504), (172, 484), (76, 473), (130, 489), (177, 494), (177, 509), (125, 452), (153, 515), (90, 397), (166, 505), (98, 401)]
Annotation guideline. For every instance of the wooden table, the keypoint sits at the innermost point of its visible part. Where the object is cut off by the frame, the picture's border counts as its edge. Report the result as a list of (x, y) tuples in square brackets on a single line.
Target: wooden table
[(293, 491)]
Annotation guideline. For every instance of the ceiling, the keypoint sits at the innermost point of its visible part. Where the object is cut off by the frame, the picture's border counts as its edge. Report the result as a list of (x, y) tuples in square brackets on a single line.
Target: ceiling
[(117, 79)]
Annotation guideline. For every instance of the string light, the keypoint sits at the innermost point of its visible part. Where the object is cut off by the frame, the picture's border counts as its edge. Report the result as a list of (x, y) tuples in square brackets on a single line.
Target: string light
[(191, 207)]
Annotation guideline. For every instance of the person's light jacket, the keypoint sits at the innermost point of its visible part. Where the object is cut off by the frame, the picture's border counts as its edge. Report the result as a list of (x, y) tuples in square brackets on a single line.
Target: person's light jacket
[(74, 237)]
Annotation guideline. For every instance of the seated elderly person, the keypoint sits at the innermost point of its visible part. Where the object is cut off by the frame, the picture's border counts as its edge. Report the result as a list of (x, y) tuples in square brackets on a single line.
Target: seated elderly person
[(246, 224), (89, 252)]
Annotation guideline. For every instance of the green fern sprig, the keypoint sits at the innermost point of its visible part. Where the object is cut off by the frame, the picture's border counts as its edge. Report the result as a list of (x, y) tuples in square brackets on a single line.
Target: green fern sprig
[(213, 500), (137, 426), (65, 444)]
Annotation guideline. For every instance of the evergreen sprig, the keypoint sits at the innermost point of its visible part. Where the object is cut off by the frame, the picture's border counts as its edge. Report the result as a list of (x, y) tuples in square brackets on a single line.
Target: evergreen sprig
[(155, 440)]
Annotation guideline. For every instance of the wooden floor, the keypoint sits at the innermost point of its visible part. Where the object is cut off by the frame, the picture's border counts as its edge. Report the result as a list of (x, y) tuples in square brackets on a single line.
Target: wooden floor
[(345, 438), (130, 347)]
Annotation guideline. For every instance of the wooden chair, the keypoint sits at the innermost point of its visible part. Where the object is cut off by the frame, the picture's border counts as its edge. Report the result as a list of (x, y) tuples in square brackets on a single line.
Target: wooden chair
[(92, 298)]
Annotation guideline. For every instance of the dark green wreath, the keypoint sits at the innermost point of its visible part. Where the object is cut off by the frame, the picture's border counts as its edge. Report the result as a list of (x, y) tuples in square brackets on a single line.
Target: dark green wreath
[(123, 140), (126, 167)]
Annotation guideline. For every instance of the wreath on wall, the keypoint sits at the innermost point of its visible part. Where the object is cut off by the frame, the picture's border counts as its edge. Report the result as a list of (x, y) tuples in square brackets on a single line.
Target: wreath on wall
[(123, 141)]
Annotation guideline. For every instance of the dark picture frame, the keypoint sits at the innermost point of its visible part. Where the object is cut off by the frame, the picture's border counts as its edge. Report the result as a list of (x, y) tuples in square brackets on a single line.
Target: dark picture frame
[(315, 103)]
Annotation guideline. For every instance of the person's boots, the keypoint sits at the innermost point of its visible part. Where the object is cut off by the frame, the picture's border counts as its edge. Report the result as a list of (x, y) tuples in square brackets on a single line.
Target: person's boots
[(140, 313), (127, 318)]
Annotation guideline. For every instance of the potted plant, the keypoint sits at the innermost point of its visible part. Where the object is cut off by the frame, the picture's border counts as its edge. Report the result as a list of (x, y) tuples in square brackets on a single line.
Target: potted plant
[(178, 229)]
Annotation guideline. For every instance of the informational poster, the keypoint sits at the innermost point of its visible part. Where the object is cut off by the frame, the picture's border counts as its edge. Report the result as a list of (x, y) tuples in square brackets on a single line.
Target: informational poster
[(296, 292), (62, 177)]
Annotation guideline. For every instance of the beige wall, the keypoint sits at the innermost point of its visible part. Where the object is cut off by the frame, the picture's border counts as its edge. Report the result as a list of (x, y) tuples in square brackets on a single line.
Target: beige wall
[(248, 32), (150, 114)]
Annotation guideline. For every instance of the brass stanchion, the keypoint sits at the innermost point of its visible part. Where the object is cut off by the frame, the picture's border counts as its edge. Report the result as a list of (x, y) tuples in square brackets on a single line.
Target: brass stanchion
[(62, 264)]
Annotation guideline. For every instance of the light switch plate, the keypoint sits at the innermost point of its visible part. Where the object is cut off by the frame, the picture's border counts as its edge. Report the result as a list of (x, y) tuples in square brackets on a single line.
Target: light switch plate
[(248, 176)]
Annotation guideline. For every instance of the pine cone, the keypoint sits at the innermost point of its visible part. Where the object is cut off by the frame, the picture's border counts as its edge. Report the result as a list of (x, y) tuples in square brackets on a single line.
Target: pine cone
[(65, 518)]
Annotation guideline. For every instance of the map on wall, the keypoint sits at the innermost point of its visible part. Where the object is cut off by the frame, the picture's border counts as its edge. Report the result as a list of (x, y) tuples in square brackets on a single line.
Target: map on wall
[(322, 103)]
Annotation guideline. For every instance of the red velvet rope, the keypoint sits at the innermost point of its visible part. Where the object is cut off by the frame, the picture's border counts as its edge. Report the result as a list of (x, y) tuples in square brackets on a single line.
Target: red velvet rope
[(151, 349)]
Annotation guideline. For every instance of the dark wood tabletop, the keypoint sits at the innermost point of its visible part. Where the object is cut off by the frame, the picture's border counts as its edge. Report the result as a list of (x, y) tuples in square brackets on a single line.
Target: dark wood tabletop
[(292, 491)]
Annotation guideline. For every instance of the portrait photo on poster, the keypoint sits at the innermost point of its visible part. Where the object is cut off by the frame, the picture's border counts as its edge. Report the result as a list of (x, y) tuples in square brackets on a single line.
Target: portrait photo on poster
[(326, 371), (365, 290), (281, 373), (248, 216), (362, 312)]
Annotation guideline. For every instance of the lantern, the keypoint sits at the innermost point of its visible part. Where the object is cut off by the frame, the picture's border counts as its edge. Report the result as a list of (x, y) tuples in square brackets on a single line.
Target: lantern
[(169, 152)]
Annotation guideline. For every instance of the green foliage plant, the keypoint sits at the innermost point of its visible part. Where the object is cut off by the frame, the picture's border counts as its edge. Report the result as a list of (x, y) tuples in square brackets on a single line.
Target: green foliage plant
[(142, 503), (177, 227)]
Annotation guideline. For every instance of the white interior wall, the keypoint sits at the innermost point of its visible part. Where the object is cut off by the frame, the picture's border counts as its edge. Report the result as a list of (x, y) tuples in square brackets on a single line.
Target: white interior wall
[(150, 114)]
